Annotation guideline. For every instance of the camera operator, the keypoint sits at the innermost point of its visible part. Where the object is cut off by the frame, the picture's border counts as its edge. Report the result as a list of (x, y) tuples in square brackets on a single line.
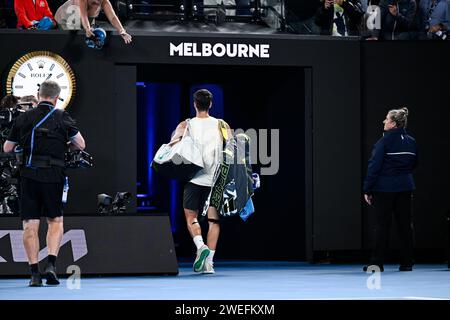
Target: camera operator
[(42, 134), (28, 102)]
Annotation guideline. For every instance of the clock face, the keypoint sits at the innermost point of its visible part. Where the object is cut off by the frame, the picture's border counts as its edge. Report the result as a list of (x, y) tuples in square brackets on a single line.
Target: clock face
[(32, 69)]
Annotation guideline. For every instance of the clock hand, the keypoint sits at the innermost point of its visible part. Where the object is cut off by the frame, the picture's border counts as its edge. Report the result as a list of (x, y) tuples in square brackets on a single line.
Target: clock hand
[(48, 77)]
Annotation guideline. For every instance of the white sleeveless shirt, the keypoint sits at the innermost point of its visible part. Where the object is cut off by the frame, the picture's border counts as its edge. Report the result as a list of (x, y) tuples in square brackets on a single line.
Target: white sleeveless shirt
[(205, 132), (68, 16)]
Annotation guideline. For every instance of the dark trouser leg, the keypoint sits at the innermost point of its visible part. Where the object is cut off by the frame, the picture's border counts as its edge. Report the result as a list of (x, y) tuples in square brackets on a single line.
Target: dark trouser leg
[(403, 217), (383, 203)]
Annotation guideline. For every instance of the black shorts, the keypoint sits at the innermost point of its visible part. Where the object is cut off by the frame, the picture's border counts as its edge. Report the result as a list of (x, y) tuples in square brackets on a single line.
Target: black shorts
[(195, 196), (40, 199)]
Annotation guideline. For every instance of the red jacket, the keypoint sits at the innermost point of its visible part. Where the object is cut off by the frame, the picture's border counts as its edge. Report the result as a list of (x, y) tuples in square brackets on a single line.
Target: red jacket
[(27, 11)]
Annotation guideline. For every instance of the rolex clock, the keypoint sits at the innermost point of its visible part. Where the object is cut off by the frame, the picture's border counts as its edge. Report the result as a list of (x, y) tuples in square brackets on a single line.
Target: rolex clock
[(30, 70)]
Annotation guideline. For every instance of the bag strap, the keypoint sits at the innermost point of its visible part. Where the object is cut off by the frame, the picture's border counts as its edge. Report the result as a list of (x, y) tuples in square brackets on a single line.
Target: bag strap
[(186, 129), (53, 109), (171, 143), (223, 129)]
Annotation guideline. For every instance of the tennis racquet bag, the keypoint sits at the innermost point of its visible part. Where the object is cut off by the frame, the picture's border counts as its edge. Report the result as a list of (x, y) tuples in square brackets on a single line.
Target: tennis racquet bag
[(179, 160)]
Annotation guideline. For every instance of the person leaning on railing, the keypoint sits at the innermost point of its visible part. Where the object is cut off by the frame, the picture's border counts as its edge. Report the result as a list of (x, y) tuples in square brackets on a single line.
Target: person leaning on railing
[(81, 14)]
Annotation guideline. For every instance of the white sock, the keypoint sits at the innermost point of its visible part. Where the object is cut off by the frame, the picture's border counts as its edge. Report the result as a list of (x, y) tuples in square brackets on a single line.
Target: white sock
[(198, 240), (210, 257)]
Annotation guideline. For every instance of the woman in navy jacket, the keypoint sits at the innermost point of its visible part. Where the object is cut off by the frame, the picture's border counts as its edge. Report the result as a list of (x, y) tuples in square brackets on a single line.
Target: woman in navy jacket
[(389, 185)]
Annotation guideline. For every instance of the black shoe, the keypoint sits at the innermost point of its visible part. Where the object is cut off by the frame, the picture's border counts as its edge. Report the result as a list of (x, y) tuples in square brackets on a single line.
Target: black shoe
[(36, 280), (405, 268), (380, 266), (51, 276)]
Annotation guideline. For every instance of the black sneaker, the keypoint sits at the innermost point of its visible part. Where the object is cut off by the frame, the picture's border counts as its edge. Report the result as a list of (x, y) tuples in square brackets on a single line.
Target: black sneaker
[(405, 268), (373, 266), (50, 275), (35, 281)]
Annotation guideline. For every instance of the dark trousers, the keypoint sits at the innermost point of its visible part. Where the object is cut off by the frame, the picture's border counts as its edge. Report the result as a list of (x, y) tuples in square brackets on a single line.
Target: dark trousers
[(397, 204)]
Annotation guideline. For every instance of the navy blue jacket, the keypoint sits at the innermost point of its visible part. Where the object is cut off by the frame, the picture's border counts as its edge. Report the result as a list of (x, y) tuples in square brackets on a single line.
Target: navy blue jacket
[(394, 157), (440, 14)]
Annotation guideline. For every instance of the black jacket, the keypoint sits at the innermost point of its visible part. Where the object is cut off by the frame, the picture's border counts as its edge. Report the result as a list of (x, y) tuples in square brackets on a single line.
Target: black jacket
[(391, 25), (49, 140), (353, 13)]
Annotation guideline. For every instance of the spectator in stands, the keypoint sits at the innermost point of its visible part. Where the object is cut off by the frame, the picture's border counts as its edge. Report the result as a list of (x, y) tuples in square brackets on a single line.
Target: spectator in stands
[(340, 17), (77, 14), (34, 14), (432, 16), (397, 20)]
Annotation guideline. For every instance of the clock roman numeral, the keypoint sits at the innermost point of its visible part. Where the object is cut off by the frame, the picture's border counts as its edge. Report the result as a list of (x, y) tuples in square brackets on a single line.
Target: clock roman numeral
[(30, 67), (22, 75), (18, 87), (59, 75), (63, 87), (52, 66)]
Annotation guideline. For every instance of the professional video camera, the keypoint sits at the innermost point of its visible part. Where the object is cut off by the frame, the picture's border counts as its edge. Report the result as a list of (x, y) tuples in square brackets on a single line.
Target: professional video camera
[(8, 115), (78, 159), (9, 165), (106, 205), (9, 172)]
